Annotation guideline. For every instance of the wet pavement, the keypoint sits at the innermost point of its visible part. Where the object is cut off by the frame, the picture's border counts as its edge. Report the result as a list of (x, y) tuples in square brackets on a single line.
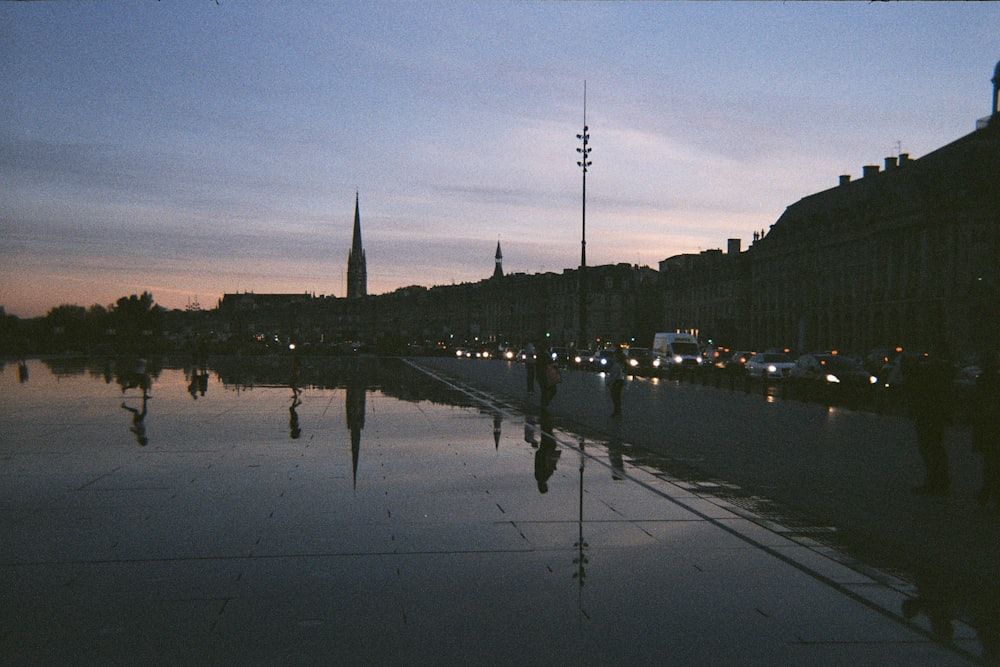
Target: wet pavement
[(394, 512)]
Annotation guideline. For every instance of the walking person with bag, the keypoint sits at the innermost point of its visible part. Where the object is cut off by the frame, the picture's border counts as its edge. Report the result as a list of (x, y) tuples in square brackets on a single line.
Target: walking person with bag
[(548, 376), (615, 381)]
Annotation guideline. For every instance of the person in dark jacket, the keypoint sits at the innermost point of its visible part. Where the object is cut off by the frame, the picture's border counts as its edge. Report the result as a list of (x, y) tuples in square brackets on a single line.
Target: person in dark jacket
[(986, 429), (928, 385), (545, 369)]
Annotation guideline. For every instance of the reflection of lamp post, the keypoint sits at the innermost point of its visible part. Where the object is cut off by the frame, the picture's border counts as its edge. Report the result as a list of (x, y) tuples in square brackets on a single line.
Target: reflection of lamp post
[(581, 545), (583, 163)]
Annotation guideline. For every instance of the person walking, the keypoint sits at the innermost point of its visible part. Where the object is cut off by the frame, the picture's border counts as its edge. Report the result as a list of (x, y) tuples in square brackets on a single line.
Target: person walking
[(548, 376), (529, 366), (614, 380), (927, 383), (986, 430)]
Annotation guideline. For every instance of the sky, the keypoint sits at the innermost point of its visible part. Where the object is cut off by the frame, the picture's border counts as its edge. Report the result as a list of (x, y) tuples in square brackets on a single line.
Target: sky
[(197, 148)]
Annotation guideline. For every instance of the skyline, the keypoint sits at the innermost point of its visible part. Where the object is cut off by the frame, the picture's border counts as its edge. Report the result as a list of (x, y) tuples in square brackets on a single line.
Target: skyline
[(195, 149)]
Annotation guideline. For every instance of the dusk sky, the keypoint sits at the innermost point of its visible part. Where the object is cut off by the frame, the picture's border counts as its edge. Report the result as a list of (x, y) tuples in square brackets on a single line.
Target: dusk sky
[(192, 148)]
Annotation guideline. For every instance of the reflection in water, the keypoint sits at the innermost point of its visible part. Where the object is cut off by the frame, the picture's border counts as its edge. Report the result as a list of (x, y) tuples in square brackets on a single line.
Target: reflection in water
[(547, 455), (616, 455), (355, 407), (530, 428), (943, 599), (497, 423), (294, 431), (581, 545), (198, 384), (138, 377)]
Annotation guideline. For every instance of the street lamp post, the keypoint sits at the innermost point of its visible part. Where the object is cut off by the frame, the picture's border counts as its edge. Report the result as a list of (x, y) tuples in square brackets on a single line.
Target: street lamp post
[(583, 163)]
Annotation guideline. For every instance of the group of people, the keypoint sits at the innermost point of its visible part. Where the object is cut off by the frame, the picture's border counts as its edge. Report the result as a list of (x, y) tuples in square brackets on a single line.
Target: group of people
[(927, 384), (543, 369)]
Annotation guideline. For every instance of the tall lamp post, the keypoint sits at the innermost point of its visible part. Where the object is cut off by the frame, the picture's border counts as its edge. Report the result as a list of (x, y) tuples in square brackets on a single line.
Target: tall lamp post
[(583, 163)]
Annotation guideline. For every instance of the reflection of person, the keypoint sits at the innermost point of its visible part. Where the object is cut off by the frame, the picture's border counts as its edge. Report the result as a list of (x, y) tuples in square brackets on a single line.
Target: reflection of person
[(927, 384), (545, 368), (293, 416), (616, 457), (615, 382), (22, 371), (529, 366), (986, 429), (529, 431), (196, 384), (546, 457), (138, 427)]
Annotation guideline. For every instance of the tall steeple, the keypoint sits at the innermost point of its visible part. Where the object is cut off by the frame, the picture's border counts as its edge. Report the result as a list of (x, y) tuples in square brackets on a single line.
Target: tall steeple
[(357, 269), (498, 271)]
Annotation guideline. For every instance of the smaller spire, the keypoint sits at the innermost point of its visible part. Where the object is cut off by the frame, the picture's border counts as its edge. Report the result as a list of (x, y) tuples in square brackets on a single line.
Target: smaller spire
[(498, 269)]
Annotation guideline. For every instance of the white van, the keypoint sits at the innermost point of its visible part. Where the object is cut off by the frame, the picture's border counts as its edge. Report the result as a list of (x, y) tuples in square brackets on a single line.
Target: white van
[(676, 350)]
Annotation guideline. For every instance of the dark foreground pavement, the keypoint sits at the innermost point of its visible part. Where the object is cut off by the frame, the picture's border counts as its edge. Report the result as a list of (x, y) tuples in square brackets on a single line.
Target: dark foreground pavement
[(849, 472), (413, 512)]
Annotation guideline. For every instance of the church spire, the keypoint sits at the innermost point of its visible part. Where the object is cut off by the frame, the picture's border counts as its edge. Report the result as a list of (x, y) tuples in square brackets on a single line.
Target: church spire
[(357, 269)]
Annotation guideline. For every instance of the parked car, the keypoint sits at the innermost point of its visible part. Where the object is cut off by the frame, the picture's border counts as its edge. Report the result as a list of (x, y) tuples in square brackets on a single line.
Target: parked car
[(831, 376), (602, 359), (641, 361), (582, 359), (561, 356), (770, 365), (737, 363)]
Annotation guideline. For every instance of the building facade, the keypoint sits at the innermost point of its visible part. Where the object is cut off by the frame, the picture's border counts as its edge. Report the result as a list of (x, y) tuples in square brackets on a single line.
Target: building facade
[(906, 256)]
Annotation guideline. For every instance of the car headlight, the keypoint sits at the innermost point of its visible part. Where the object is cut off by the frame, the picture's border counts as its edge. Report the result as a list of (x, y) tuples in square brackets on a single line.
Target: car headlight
[(656, 362), (633, 362), (832, 379), (771, 368), (872, 379), (678, 359)]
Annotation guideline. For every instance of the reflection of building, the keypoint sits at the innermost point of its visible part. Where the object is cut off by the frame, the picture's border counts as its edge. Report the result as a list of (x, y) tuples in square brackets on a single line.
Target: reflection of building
[(355, 409)]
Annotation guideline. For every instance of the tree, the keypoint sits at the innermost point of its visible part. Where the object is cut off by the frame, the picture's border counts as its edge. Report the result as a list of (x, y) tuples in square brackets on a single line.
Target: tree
[(137, 321)]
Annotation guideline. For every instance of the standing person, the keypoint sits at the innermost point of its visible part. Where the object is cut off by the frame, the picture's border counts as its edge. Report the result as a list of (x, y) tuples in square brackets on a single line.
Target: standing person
[(615, 381), (927, 383), (529, 366), (548, 376), (986, 430)]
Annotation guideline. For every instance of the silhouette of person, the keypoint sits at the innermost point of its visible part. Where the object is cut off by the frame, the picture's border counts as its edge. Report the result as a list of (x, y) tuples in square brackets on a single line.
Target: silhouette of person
[(529, 366), (928, 384), (546, 457), (545, 366), (986, 429), (615, 382)]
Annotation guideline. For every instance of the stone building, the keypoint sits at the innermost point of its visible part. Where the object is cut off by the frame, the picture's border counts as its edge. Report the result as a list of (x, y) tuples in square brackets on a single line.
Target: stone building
[(905, 256)]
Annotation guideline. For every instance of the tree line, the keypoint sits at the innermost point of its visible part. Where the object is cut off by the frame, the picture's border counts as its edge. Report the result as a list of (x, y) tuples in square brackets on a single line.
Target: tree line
[(132, 324)]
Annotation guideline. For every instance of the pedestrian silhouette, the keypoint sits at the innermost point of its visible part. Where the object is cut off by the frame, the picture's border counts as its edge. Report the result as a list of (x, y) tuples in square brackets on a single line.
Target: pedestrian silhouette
[(927, 382), (986, 429)]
